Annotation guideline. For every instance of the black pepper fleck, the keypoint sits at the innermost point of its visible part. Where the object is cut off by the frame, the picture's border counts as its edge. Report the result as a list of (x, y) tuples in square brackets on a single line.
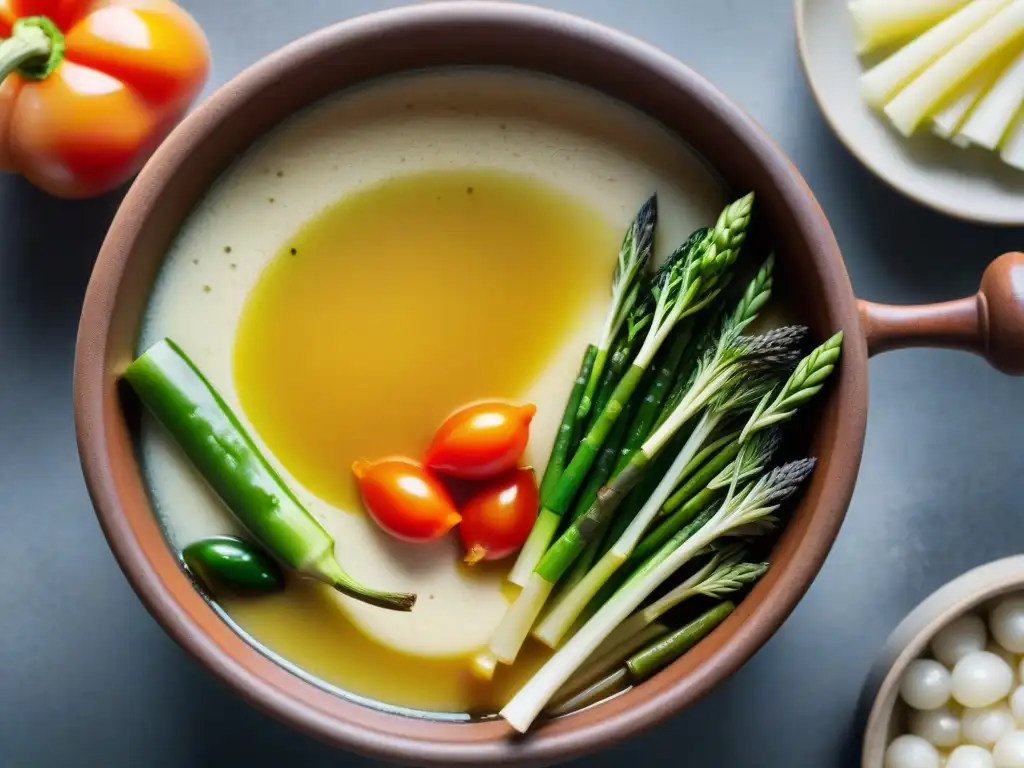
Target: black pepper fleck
[(195, 261), (280, 174), (207, 289), (469, 190), (294, 251), (270, 199), (227, 249), (234, 265)]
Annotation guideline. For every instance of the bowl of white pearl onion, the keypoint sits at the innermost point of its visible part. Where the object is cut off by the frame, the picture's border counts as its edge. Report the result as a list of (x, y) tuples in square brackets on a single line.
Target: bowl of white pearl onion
[(948, 688)]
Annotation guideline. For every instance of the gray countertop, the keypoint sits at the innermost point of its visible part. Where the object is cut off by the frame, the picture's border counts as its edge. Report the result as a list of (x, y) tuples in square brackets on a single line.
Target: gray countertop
[(88, 678)]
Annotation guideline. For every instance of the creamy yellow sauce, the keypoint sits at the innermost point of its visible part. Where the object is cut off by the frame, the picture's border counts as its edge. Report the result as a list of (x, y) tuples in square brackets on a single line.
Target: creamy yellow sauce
[(394, 309), (404, 301)]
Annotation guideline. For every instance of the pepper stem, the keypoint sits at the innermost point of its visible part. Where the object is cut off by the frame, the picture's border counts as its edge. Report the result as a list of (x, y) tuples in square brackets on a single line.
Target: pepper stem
[(34, 49)]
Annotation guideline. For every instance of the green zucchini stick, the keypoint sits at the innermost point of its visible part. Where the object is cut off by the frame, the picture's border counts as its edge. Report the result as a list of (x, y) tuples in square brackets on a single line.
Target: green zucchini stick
[(216, 443)]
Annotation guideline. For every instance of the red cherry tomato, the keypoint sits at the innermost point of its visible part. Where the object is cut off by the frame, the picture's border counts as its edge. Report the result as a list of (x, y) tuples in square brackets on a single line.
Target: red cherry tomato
[(498, 517), (405, 500), (481, 440)]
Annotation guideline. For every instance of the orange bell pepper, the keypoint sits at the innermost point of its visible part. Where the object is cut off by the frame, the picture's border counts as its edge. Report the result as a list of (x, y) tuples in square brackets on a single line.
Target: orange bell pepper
[(89, 88)]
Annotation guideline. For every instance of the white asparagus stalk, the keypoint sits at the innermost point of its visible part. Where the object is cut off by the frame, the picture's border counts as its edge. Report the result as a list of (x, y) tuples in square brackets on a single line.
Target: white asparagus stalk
[(884, 80), (914, 102), (991, 118), (1013, 148), (950, 117), (880, 22)]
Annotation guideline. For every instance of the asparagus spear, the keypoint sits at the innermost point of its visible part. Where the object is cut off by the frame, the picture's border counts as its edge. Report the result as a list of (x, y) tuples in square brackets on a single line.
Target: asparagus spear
[(643, 664), (700, 490), (747, 513), (745, 356), (569, 607), (626, 349), (634, 255), (724, 572), (566, 427), (755, 296), (686, 283), (805, 382)]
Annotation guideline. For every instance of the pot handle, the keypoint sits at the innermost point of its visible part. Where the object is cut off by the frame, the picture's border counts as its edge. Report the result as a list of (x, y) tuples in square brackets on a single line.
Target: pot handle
[(990, 323)]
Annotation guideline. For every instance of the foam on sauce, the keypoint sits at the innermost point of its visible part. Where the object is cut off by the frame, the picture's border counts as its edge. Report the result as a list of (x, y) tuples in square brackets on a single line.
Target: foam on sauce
[(598, 155)]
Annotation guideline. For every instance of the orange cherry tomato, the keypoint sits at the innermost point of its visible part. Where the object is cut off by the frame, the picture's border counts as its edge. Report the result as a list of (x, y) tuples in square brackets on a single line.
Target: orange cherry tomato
[(89, 88), (497, 519), (405, 500), (481, 440)]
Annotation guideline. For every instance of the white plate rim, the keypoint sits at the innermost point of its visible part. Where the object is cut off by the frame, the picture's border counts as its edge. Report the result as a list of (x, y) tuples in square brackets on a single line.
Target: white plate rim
[(891, 180)]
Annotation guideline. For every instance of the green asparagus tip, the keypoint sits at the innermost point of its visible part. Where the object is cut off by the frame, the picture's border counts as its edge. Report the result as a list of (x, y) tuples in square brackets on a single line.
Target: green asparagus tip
[(731, 227)]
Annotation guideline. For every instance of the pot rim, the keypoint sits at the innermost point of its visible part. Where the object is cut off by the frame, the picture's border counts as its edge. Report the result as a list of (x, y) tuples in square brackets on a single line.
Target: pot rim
[(115, 485)]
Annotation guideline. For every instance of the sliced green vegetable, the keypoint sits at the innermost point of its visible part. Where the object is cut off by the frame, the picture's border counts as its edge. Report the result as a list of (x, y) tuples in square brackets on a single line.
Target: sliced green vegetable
[(566, 427), (210, 434), (666, 650), (666, 647)]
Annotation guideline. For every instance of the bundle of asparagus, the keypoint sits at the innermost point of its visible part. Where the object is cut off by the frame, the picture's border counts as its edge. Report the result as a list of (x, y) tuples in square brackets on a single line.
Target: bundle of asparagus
[(663, 451)]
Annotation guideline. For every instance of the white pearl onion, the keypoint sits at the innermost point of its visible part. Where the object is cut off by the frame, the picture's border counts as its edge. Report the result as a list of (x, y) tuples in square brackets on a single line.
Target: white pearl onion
[(987, 725), (980, 679), (911, 752), (1017, 705), (958, 638), (938, 726), (1009, 751), (970, 757), (1007, 623), (1006, 656), (926, 684)]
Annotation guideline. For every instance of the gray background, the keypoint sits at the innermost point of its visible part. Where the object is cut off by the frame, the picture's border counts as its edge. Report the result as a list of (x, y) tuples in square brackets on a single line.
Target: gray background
[(88, 678)]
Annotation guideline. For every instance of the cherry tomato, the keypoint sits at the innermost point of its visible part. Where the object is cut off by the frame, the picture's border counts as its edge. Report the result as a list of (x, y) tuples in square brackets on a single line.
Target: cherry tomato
[(497, 519), (405, 500), (481, 440)]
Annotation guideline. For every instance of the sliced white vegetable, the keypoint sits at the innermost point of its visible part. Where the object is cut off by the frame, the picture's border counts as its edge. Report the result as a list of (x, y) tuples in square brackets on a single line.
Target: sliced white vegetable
[(980, 679), (911, 752), (961, 636), (880, 22), (1017, 705), (985, 127), (940, 727), (1009, 751), (926, 684), (952, 114), (1006, 621), (1013, 148), (885, 79), (911, 105), (970, 757), (986, 725)]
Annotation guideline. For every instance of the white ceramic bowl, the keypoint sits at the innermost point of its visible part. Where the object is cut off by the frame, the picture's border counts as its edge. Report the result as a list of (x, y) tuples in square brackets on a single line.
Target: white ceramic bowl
[(880, 708), (970, 184)]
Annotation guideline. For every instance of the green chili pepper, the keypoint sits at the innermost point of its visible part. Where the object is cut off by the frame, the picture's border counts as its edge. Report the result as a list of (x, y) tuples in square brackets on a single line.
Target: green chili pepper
[(228, 563), (199, 420)]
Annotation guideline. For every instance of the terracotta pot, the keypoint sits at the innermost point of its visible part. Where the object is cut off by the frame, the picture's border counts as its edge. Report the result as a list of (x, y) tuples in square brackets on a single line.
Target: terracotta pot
[(479, 33)]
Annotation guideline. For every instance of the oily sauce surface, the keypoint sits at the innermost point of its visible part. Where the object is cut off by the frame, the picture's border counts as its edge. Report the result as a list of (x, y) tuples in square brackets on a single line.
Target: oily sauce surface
[(385, 312)]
